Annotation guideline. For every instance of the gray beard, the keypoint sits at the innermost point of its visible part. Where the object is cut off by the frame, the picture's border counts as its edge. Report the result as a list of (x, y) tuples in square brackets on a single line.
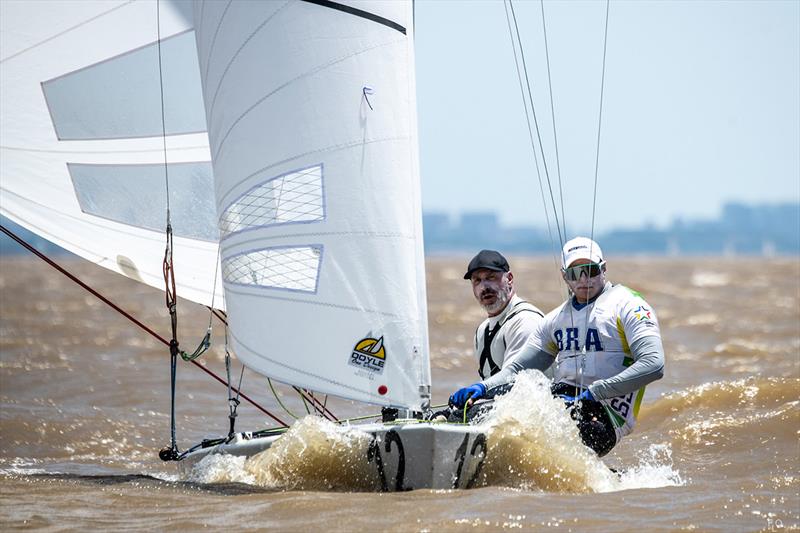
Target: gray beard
[(502, 299)]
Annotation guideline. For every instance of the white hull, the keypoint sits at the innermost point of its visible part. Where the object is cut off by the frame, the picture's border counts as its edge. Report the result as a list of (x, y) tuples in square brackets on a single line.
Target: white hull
[(406, 456)]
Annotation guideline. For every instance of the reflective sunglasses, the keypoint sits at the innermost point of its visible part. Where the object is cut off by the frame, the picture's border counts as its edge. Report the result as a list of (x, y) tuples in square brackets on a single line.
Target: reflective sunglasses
[(589, 270)]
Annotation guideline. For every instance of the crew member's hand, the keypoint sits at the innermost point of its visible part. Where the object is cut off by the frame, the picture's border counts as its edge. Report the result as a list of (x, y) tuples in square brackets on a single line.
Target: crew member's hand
[(473, 392), (585, 395)]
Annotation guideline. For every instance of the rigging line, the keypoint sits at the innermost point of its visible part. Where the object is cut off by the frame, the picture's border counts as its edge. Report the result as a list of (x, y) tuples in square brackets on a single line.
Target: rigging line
[(305, 404), (530, 130), (275, 394), (553, 115), (161, 89), (121, 311), (214, 289), (170, 292), (316, 404), (214, 41), (64, 32), (590, 306), (535, 120), (217, 313), (241, 377), (600, 117)]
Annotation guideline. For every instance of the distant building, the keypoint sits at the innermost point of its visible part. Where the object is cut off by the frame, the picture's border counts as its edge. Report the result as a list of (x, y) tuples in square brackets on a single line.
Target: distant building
[(766, 230)]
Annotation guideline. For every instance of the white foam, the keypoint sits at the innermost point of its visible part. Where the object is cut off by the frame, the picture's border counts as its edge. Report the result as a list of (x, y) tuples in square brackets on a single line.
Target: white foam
[(533, 444), (655, 470), (220, 468), (316, 454)]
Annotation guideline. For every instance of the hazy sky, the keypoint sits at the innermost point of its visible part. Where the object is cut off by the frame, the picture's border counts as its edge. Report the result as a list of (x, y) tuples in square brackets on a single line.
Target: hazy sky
[(702, 106)]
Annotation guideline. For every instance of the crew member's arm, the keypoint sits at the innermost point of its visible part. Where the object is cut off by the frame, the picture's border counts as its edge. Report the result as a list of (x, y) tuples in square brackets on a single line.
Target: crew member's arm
[(648, 366), (531, 356), (528, 357)]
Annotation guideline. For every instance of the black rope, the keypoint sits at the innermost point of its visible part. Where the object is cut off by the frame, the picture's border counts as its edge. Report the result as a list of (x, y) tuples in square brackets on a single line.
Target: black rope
[(170, 292), (590, 306), (600, 118), (525, 104), (233, 402), (553, 115), (536, 122)]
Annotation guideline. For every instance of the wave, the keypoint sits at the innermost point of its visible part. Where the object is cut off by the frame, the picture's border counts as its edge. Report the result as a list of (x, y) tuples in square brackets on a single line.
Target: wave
[(753, 392), (734, 414)]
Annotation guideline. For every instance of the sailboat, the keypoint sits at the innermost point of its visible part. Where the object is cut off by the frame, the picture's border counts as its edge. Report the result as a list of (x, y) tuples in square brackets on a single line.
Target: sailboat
[(279, 142)]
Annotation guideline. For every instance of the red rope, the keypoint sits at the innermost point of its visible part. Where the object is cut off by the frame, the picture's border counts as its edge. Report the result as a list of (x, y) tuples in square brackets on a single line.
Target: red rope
[(128, 316), (316, 404)]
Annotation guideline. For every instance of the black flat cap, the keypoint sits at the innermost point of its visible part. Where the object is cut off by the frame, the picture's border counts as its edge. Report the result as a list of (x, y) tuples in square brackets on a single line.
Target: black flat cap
[(487, 259)]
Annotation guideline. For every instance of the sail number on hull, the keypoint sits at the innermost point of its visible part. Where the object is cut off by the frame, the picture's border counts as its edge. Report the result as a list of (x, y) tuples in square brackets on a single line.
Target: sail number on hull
[(393, 445)]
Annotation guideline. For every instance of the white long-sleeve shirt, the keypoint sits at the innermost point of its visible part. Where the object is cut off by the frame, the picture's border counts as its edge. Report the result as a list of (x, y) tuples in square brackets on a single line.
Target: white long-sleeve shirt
[(507, 333)]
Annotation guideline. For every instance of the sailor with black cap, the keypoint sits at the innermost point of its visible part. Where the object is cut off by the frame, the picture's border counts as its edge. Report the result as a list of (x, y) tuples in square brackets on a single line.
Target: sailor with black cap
[(510, 319)]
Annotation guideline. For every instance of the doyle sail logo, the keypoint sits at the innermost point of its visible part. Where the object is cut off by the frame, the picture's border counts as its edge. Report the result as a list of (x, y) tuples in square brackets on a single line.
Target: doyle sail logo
[(370, 354)]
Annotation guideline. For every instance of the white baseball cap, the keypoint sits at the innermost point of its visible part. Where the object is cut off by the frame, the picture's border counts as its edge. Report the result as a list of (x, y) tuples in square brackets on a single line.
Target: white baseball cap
[(581, 248)]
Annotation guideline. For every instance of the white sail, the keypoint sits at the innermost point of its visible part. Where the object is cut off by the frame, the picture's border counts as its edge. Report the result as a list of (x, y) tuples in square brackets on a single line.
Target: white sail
[(81, 145), (311, 110)]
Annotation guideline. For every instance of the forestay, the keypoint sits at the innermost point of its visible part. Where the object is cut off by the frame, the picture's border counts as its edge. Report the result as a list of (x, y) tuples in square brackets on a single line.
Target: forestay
[(311, 110)]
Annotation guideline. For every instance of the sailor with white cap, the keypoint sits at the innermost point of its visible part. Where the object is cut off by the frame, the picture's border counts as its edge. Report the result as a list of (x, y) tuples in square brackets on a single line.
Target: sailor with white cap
[(605, 346)]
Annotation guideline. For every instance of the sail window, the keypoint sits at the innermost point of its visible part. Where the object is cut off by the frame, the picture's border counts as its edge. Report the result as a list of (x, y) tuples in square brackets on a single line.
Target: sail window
[(121, 97), (287, 268), (136, 195), (295, 197)]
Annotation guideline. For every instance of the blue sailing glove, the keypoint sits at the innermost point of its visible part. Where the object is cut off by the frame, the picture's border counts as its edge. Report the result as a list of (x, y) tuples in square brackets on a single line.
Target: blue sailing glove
[(585, 395), (460, 397)]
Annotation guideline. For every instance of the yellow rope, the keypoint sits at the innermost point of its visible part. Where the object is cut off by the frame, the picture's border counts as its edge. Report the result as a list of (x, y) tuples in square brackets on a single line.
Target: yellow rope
[(279, 400)]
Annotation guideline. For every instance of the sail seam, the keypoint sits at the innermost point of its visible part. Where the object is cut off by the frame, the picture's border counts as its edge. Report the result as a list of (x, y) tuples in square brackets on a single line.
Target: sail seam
[(64, 32), (312, 302), (286, 84), (224, 74), (386, 235), (214, 40), (144, 151), (331, 148)]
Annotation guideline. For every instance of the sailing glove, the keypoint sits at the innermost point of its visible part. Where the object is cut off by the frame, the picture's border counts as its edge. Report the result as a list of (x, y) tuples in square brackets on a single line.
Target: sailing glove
[(585, 395), (460, 397)]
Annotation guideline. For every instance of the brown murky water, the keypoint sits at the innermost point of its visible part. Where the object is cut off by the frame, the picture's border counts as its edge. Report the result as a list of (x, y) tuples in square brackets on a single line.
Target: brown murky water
[(85, 408)]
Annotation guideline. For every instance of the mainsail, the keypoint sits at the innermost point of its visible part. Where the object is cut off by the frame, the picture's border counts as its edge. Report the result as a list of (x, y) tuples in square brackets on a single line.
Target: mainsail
[(314, 195), (311, 108)]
